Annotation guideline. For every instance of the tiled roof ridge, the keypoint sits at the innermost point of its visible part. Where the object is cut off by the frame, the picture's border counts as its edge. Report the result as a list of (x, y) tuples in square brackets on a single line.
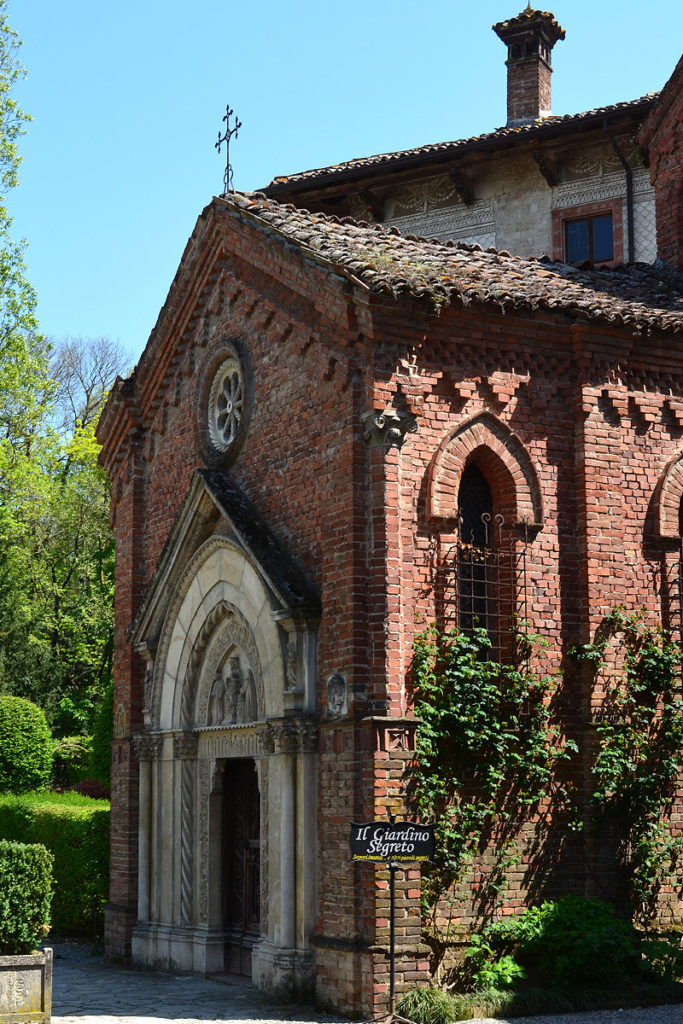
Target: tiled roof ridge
[(498, 134), (387, 229), (380, 259)]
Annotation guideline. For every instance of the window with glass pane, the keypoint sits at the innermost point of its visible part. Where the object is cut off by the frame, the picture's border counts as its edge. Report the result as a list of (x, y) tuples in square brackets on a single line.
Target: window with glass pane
[(591, 238)]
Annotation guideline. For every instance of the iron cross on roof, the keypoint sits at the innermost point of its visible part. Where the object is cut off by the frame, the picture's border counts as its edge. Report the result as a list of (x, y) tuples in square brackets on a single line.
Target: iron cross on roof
[(225, 138)]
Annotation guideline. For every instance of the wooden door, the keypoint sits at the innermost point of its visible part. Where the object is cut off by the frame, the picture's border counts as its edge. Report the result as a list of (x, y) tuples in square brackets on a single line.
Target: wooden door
[(241, 864)]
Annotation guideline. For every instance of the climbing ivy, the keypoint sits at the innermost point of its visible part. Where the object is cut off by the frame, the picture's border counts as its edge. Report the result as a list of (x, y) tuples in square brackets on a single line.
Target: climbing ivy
[(487, 753), (639, 750)]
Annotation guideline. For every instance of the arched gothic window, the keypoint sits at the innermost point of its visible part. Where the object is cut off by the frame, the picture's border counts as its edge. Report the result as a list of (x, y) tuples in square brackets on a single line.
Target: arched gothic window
[(477, 555)]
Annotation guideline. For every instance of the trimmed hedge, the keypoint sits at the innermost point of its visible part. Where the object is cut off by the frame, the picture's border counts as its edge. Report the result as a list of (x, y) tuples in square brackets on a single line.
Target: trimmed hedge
[(75, 829), (25, 893), (25, 746)]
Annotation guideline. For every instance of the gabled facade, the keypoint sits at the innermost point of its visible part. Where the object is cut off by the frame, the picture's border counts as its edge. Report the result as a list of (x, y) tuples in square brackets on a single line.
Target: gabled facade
[(321, 406)]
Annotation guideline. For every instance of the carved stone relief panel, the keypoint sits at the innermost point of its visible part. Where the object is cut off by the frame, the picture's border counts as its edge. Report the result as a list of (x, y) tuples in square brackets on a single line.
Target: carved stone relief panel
[(336, 696), (230, 687), (235, 741), (596, 161), (232, 700), (422, 197), (471, 224), (599, 187)]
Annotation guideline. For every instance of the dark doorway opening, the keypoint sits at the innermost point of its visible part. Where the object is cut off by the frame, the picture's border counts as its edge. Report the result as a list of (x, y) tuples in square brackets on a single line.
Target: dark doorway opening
[(241, 864)]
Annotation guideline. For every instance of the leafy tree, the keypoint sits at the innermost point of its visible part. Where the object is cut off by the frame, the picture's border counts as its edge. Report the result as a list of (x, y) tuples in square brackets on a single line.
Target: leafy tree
[(56, 550), (25, 387), (56, 617)]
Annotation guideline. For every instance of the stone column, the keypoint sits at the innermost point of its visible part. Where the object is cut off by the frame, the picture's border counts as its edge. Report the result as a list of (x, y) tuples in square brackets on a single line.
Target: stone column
[(185, 752), (286, 743), (147, 747), (306, 832)]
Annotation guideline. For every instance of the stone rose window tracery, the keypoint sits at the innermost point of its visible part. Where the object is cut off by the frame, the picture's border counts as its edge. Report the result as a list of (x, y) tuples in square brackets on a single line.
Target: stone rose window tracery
[(223, 401), (226, 404)]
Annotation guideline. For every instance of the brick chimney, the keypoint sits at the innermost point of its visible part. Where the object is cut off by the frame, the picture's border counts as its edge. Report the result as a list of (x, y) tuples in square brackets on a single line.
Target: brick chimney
[(529, 38)]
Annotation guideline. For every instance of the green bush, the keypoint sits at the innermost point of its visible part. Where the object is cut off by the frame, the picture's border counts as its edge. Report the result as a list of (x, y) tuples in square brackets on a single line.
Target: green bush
[(71, 760), (100, 762), (25, 746), (572, 941), (427, 1005), (489, 970), (25, 893), (75, 829), (664, 956)]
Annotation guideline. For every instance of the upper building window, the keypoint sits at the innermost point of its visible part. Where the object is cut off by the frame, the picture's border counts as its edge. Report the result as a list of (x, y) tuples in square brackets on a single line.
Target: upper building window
[(591, 238), (589, 232)]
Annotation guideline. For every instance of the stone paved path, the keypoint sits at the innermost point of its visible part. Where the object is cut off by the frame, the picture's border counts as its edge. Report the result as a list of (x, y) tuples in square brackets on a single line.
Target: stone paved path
[(87, 991)]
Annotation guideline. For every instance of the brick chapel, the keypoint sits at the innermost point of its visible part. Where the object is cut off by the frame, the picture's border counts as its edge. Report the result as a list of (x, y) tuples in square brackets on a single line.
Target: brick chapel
[(344, 361)]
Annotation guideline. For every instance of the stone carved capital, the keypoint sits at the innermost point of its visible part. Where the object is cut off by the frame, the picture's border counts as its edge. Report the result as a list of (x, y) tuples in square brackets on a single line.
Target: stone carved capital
[(147, 746), (185, 746), (389, 428), (266, 741), (308, 737), (293, 737)]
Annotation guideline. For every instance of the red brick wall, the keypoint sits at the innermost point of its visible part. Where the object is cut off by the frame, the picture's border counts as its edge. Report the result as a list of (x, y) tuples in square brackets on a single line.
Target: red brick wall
[(662, 135), (588, 407)]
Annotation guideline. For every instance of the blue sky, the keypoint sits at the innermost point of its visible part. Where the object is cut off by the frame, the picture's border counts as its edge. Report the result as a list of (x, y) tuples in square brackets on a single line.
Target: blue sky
[(127, 100)]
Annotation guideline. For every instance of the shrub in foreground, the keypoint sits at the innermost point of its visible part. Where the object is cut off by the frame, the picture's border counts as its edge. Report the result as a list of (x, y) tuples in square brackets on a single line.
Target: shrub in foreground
[(427, 1005), (75, 829), (571, 941), (25, 746), (25, 893)]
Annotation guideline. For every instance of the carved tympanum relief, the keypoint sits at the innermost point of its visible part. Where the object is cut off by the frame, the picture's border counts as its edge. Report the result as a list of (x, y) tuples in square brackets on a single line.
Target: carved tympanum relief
[(233, 698)]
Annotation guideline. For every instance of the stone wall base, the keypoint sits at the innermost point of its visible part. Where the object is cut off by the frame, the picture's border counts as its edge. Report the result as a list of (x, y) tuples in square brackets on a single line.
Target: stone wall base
[(178, 948), (286, 973), (118, 925)]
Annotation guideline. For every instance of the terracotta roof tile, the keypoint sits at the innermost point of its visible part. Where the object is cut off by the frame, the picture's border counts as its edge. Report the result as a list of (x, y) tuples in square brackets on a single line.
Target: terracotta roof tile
[(383, 261), (535, 131)]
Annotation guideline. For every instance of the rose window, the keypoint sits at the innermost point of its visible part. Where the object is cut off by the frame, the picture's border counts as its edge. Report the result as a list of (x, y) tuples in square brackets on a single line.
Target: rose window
[(226, 404)]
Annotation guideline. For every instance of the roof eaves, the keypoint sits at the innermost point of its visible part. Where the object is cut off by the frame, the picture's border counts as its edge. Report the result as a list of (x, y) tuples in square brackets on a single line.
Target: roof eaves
[(440, 152)]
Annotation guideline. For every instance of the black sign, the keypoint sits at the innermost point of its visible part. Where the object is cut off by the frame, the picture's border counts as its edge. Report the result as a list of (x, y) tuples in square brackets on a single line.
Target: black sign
[(402, 841)]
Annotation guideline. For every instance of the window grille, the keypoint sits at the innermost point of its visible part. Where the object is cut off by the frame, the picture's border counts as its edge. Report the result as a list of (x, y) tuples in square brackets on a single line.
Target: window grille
[(481, 581)]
